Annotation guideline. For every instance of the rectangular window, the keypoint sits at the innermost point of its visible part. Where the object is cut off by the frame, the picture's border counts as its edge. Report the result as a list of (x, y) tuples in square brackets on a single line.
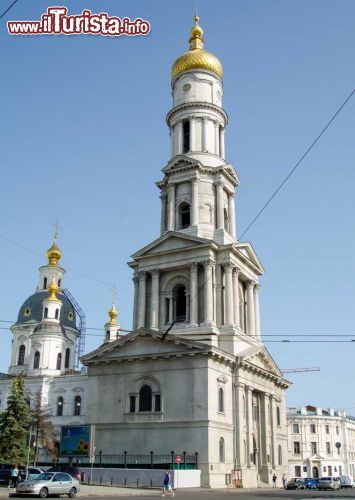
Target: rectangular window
[(132, 404), (297, 471), (327, 429), (329, 470), (296, 448), (337, 430), (296, 428), (157, 404), (327, 444), (313, 448), (313, 428)]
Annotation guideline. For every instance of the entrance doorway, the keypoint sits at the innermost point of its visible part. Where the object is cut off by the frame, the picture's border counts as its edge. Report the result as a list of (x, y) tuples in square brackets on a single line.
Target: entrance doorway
[(315, 473)]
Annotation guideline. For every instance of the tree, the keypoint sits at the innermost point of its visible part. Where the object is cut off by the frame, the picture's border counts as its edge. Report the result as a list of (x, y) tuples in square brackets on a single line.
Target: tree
[(42, 428), (14, 425)]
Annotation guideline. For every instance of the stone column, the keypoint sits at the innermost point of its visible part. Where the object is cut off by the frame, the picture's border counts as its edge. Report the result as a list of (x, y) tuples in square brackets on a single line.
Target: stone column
[(219, 291), (162, 310), (250, 309), (192, 134), (208, 292), (141, 299), (194, 204), (228, 294), (135, 304), (257, 310), (239, 423), (171, 309), (273, 430), (236, 271), (216, 135), (187, 295), (193, 293), (204, 134), (163, 212), (220, 218), (232, 228), (171, 207), (173, 140), (222, 153), (264, 400), (249, 418), (154, 314), (179, 138)]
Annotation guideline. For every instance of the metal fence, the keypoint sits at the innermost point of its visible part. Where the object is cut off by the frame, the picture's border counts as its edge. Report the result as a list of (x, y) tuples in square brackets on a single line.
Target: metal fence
[(127, 461)]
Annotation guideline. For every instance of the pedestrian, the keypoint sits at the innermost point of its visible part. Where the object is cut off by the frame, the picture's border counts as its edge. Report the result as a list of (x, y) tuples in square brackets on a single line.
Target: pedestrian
[(13, 476), (284, 481), (274, 479), (167, 488)]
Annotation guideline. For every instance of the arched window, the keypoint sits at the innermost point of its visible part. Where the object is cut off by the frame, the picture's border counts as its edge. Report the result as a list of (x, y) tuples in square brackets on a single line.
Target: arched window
[(56, 313), (45, 312), (77, 405), (59, 361), (184, 216), (220, 140), (21, 355), (280, 454), (145, 398), (67, 358), (60, 403), (221, 450), (180, 304), (45, 283), (278, 416), (36, 359), (220, 400), (186, 136), (59, 282)]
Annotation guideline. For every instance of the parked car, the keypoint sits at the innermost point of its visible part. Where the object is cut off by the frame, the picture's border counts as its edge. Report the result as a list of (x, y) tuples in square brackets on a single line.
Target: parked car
[(73, 470), (311, 483), (50, 483), (329, 483), (296, 484), (33, 472), (346, 482)]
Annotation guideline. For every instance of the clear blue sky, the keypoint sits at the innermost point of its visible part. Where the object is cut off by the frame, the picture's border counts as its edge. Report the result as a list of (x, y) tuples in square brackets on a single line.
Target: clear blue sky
[(83, 139)]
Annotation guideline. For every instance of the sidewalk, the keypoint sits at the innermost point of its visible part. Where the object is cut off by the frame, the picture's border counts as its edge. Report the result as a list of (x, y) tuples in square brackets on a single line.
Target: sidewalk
[(99, 491)]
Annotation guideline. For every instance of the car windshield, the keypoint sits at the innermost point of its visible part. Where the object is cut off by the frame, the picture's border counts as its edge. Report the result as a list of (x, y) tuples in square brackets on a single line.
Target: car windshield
[(45, 476), (326, 478)]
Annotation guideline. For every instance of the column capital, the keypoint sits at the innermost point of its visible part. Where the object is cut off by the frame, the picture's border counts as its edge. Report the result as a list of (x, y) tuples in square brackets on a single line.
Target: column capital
[(240, 385), (251, 284), (228, 267), (141, 275), (154, 273), (257, 287), (195, 180), (171, 186), (249, 389), (219, 184), (208, 263), (236, 270), (194, 266), (135, 279)]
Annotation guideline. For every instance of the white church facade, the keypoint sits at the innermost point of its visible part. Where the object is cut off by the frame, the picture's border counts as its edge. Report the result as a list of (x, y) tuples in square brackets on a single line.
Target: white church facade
[(208, 386)]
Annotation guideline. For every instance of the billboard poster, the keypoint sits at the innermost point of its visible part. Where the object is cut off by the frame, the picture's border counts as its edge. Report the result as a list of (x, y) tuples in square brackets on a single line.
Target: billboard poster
[(77, 441)]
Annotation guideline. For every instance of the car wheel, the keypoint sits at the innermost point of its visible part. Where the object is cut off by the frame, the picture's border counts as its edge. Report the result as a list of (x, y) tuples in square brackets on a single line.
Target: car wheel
[(43, 493), (72, 493)]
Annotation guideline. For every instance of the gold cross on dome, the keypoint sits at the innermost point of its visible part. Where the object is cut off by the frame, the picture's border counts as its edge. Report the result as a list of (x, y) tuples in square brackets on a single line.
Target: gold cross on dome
[(56, 229), (114, 291)]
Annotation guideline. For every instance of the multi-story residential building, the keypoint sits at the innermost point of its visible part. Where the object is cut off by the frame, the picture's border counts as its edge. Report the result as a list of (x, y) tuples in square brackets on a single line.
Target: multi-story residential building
[(321, 442)]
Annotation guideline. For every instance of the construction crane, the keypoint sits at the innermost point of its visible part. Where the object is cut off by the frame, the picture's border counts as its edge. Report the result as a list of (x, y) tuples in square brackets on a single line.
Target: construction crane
[(301, 370), (80, 347)]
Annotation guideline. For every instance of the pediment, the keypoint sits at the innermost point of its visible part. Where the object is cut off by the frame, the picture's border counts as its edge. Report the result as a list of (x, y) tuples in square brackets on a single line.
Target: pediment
[(263, 360), (172, 240), (181, 162), (144, 344), (247, 252)]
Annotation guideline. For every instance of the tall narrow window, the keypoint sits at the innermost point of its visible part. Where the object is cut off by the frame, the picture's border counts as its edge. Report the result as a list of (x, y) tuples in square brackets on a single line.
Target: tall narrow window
[(186, 136), (60, 403), (21, 355), (59, 361), (280, 454), (46, 312), (226, 220), (184, 213), (278, 416), (157, 402), (180, 304), (59, 282), (77, 405), (220, 140), (56, 313), (220, 400), (67, 358), (145, 398), (221, 450), (45, 283), (132, 404), (36, 359)]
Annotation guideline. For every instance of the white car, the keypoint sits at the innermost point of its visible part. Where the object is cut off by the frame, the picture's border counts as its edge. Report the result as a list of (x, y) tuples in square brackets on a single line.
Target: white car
[(346, 482), (50, 483)]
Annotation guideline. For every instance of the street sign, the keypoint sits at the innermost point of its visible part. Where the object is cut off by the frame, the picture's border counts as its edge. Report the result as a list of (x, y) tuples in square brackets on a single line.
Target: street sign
[(178, 459)]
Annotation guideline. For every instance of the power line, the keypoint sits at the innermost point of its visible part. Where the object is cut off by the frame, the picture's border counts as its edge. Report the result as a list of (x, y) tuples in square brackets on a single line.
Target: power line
[(297, 164), (7, 10)]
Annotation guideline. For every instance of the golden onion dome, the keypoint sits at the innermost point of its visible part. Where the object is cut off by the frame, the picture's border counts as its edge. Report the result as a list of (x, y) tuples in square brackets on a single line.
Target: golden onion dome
[(53, 289), (197, 57), (53, 253), (113, 314)]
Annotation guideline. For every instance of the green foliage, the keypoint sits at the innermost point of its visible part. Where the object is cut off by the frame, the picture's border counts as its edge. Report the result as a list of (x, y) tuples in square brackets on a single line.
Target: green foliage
[(42, 428), (14, 425)]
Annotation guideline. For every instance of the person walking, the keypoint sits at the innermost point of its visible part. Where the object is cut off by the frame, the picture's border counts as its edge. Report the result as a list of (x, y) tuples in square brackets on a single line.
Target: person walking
[(274, 479), (284, 481), (167, 488), (13, 476)]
